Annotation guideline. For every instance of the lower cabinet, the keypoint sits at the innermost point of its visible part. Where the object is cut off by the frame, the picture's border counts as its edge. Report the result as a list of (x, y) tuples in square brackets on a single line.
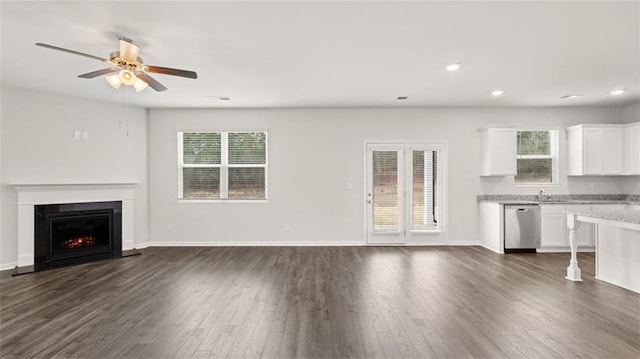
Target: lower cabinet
[(553, 227), (554, 232), (584, 232)]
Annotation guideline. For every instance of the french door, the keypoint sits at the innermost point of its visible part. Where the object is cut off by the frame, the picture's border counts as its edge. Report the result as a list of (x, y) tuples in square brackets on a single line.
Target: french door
[(403, 193)]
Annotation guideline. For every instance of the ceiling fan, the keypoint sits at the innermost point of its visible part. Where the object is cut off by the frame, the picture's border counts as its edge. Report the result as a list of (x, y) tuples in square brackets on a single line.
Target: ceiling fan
[(127, 67)]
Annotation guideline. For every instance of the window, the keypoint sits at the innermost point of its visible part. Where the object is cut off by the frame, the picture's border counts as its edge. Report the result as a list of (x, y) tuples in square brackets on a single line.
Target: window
[(537, 157), (222, 165)]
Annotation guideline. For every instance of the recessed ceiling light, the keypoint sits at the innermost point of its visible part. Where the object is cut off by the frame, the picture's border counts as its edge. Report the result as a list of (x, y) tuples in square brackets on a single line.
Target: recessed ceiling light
[(402, 97), (453, 67), (618, 92), (570, 96), (497, 93)]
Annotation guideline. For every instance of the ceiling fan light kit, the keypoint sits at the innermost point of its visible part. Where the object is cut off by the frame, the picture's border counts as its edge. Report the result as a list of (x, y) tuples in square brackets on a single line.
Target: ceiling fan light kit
[(130, 68), (114, 81)]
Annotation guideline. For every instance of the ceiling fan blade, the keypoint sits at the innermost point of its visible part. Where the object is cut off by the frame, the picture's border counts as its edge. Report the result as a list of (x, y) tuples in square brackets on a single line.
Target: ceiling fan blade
[(90, 75), (173, 72), (128, 49), (72, 52), (151, 81)]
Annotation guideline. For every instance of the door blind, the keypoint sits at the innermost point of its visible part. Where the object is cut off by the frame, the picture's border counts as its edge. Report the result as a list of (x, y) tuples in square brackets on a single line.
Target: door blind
[(424, 190), (385, 191)]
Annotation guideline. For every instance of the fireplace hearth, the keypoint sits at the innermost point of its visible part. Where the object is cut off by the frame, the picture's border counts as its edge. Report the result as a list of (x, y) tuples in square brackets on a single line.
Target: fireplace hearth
[(74, 233)]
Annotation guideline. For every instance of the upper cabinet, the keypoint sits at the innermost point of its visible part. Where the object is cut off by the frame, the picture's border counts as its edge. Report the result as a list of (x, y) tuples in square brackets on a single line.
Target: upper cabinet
[(498, 152), (596, 150), (631, 151)]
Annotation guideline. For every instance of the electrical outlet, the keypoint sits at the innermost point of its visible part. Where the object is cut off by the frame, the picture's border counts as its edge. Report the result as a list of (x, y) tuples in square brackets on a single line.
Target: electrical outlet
[(169, 227), (287, 227), (348, 186), (85, 135), (77, 135)]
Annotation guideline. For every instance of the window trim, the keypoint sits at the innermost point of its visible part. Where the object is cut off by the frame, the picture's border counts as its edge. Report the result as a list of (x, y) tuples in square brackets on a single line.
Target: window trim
[(554, 156), (224, 168)]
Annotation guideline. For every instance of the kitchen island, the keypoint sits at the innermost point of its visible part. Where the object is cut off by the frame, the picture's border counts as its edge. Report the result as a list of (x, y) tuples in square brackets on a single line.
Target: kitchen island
[(617, 246)]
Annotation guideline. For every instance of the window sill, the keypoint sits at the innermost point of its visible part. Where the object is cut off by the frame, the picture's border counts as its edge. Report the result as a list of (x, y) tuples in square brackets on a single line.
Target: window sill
[(223, 201)]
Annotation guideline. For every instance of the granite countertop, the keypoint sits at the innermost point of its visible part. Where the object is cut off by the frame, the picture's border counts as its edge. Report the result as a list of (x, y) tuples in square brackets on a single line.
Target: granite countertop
[(562, 199), (627, 216)]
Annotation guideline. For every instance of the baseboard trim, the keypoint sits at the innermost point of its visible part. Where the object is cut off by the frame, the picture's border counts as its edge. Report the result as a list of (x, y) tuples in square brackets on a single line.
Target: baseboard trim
[(464, 244), (10, 265), (491, 249), (252, 244), (297, 244)]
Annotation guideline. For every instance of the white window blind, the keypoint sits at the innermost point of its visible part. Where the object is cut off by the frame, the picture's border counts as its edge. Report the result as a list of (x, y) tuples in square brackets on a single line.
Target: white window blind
[(537, 157), (424, 190), (385, 191), (222, 165)]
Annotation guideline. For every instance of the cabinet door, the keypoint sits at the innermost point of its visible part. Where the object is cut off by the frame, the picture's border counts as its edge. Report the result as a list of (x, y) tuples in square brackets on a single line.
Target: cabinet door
[(502, 151), (593, 151), (554, 229), (631, 151), (584, 233), (613, 144)]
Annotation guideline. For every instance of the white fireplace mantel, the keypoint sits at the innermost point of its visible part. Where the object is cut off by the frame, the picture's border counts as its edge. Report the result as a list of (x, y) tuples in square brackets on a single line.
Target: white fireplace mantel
[(32, 194)]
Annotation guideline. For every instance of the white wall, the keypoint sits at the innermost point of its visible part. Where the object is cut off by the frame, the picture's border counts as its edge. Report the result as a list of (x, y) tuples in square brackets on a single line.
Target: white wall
[(313, 153), (631, 113), (37, 146), (1, 192)]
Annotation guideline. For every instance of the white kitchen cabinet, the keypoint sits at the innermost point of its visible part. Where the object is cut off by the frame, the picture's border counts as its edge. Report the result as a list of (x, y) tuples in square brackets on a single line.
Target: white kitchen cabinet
[(498, 151), (631, 152), (554, 231), (612, 150), (491, 226), (584, 232), (595, 150)]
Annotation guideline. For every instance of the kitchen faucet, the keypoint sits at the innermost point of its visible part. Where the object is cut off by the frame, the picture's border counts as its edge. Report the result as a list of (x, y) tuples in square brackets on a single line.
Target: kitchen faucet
[(541, 195)]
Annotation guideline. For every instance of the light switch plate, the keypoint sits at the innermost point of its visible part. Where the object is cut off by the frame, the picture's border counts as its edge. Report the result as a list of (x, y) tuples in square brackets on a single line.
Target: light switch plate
[(77, 135)]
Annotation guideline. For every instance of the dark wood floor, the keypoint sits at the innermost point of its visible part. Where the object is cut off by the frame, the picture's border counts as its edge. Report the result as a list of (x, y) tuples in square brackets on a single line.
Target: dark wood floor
[(318, 302)]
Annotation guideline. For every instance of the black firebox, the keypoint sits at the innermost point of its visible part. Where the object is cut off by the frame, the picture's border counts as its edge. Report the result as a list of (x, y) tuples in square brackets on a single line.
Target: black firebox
[(73, 233)]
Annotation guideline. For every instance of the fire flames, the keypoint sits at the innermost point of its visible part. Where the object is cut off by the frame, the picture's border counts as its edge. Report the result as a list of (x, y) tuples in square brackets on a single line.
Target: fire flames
[(77, 242)]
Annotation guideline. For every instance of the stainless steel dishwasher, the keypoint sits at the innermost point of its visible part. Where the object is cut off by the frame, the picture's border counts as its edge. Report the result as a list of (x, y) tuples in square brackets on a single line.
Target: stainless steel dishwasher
[(521, 227)]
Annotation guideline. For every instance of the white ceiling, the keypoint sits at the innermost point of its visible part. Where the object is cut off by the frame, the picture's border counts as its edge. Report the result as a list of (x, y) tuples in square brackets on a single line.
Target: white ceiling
[(334, 54)]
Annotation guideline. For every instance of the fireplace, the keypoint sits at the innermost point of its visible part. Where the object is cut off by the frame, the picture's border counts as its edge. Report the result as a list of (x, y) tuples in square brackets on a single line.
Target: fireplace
[(73, 233)]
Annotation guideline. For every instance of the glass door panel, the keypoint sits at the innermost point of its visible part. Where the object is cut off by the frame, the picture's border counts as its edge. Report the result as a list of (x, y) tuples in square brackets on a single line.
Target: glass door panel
[(424, 190), (385, 193)]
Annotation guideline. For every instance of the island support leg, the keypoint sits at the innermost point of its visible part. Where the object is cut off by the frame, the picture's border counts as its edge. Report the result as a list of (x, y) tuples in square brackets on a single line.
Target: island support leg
[(573, 271)]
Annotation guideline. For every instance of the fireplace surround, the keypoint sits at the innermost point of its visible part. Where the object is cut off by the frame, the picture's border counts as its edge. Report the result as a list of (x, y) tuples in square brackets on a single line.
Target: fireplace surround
[(31, 195)]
